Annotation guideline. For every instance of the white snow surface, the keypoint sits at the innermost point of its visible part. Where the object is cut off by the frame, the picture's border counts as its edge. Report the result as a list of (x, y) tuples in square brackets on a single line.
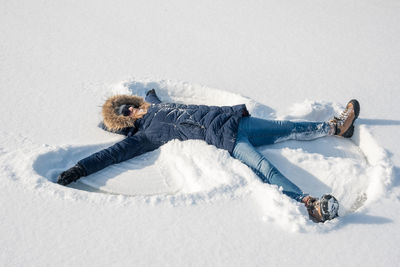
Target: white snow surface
[(189, 203)]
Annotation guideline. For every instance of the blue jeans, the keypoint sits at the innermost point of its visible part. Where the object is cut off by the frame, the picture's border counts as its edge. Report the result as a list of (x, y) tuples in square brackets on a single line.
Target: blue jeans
[(255, 132)]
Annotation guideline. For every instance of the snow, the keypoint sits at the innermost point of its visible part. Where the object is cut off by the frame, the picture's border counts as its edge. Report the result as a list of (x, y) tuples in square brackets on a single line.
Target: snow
[(292, 60)]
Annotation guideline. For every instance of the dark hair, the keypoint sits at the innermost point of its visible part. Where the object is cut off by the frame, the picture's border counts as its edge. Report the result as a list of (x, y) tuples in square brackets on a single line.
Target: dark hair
[(124, 110)]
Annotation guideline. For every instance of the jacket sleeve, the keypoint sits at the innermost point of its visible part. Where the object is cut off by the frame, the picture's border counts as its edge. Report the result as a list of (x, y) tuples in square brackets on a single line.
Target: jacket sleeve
[(126, 149), (240, 109), (151, 97)]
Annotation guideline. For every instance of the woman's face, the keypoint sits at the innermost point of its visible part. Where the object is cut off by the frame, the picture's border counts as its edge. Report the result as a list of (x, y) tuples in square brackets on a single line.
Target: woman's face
[(132, 111), (127, 110)]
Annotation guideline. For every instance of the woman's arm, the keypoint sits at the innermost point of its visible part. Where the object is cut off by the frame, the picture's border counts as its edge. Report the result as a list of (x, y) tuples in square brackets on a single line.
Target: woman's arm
[(126, 149)]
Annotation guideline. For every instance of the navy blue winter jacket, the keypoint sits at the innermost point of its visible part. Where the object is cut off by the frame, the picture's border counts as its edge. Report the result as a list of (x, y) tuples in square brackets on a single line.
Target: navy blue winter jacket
[(164, 122)]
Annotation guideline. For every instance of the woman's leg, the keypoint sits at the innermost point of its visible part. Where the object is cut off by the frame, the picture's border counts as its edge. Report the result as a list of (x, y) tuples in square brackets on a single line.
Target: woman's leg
[(256, 132), (263, 132), (245, 152)]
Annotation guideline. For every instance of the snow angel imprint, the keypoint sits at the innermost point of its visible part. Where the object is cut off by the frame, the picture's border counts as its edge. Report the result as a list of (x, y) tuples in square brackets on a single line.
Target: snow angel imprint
[(148, 124)]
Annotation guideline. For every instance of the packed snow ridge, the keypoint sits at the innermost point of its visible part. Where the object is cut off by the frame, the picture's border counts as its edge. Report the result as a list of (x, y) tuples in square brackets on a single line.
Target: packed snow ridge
[(357, 171)]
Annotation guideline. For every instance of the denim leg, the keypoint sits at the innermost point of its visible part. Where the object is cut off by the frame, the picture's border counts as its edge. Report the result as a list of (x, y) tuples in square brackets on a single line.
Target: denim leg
[(264, 132), (246, 153)]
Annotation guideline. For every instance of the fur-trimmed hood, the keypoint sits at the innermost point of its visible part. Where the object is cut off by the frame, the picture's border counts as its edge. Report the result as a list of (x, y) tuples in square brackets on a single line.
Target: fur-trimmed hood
[(112, 120)]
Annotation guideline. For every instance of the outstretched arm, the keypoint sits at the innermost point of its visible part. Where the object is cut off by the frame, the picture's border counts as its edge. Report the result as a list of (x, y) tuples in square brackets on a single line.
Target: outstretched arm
[(126, 149)]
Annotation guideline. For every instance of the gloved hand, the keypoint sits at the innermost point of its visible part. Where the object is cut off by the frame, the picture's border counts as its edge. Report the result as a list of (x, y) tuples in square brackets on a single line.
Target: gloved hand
[(152, 91), (71, 175)]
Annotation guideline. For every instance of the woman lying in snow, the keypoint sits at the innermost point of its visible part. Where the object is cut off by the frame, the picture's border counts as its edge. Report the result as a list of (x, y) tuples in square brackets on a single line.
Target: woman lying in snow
[(148, 124)]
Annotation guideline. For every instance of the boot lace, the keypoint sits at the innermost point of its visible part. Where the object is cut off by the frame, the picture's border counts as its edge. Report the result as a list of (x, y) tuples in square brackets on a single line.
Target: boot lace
[(339, 121)]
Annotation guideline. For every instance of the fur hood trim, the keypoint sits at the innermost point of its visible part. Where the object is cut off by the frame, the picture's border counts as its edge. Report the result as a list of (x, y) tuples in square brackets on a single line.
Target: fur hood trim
[(112, 120)]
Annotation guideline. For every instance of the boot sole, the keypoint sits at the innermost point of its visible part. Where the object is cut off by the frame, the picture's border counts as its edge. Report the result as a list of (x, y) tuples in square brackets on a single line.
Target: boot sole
[(356, 107)]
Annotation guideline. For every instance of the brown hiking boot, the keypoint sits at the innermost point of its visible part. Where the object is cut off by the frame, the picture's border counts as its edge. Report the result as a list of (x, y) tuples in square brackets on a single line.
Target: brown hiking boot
[(343, 124), (313, 208), (323, 209)]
